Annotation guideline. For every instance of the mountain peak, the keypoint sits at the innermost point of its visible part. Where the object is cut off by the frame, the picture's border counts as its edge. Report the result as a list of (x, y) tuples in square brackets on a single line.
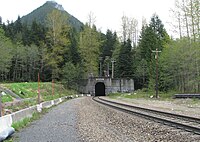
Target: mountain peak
[(56, 5), (40, 15)]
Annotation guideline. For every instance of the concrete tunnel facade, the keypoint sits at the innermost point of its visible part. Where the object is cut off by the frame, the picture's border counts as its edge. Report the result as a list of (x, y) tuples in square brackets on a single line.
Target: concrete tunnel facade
[(104, 85)]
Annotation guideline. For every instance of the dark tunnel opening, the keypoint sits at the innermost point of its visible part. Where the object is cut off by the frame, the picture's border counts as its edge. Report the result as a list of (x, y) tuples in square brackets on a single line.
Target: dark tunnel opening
[(100, 89)]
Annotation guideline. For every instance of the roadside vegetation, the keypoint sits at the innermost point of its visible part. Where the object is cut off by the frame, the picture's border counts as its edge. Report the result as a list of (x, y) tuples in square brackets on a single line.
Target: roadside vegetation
[(6, 98), (28, 91), (25, 122), (144, 94)]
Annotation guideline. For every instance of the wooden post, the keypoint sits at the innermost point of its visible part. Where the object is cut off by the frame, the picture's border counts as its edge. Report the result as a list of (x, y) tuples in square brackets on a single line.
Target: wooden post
[(52, 87), (38, 88), (113, 61)]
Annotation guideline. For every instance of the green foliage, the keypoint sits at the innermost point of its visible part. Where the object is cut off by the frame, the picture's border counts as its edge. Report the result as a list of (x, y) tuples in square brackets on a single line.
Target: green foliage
[(30, 90), (26, 121), (89, 47), (141, 72), (35, 35), (5, 54), (71, 74), (124, 61), (24, 62), (180, 64), (24, 90), (19, 125), (74, 55), (109, 43), (153, 36), (58, 41), (6, 98)]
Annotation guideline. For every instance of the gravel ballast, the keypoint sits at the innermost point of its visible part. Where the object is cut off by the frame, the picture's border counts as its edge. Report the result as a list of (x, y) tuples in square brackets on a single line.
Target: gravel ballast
[(98, 123)]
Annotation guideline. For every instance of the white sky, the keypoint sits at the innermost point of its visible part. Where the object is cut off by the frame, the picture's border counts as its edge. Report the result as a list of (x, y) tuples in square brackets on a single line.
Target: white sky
[(108, 13)]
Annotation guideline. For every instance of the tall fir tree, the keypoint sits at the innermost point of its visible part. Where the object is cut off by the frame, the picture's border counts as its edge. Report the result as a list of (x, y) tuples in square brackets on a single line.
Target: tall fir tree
[(153, 36), (124, 61)]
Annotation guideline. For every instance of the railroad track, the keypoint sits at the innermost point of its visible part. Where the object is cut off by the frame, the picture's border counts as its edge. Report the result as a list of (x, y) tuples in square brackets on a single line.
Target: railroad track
[(187, 123)]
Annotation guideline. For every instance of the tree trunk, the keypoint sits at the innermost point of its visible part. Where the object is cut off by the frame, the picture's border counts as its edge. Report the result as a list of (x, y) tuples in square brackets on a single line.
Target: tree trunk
[(192, 19), (186, 19)]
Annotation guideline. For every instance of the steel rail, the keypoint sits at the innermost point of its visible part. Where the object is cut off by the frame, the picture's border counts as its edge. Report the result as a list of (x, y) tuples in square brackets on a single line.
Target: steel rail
[(130, 109), (183, 117)]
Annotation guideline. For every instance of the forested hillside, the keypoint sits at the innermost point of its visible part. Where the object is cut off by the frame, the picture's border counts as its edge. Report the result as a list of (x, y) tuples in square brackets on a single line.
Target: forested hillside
[(57, 50), (39, 15)]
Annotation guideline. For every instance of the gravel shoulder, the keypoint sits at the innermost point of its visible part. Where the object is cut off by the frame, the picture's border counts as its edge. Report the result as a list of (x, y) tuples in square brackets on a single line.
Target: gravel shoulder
[(58, 125)]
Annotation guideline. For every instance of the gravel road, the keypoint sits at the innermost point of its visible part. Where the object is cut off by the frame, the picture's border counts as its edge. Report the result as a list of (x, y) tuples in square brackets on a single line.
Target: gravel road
[(82, 120), (58, 125)]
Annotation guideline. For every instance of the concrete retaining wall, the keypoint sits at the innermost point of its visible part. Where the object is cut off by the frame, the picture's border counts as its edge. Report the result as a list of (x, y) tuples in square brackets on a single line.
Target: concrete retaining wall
[(19, 115), (5, 122)]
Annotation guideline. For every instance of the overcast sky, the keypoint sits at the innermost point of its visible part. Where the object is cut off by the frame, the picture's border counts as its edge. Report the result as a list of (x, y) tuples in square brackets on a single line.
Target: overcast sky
[(108, 13)]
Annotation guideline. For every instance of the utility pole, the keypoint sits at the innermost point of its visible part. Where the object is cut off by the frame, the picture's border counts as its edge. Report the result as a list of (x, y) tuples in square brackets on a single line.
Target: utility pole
[(156, 57), (100, 66), (52, 87), (38, 88), (113, 61), (108, 68)]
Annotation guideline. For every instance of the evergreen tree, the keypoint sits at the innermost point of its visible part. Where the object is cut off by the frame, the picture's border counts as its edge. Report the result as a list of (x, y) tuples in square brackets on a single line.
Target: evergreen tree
[(109, 43), (5, 55), (37, 33), (18, 25), (153, 36), (73, 47), (108, 47), (124, 61), (71, 75), (26, 35)]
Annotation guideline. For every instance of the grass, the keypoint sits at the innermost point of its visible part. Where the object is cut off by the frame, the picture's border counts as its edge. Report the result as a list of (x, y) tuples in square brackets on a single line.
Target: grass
[(22, 105), (148, 95), (6, 98), (30, 90), (26, 121), (143, 94)]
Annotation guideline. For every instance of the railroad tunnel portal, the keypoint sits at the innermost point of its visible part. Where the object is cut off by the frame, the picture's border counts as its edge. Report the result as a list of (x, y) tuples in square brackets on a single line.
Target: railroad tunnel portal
[(100, 89)]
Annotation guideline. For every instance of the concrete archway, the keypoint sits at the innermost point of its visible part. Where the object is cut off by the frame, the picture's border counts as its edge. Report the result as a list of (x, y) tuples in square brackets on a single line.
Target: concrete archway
[(100, 89)]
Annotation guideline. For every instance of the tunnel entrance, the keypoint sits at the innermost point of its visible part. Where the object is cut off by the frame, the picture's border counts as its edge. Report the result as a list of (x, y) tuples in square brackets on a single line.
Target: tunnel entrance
[(100, 89)]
